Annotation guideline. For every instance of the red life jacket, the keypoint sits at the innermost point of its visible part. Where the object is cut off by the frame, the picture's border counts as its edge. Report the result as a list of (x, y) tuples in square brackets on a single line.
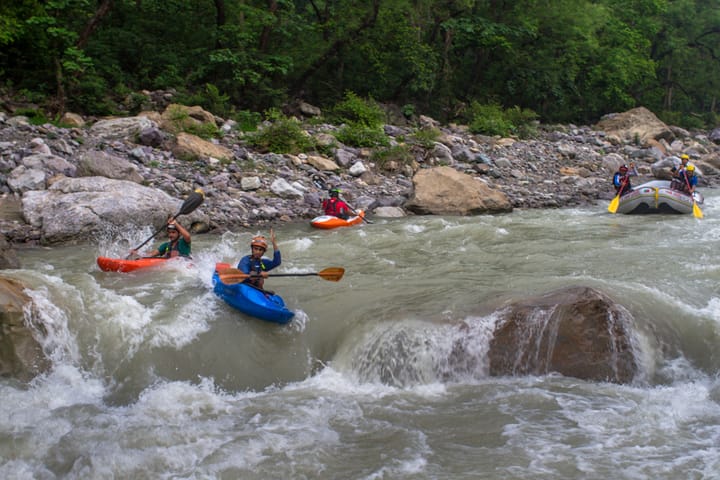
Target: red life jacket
[(334, 207)]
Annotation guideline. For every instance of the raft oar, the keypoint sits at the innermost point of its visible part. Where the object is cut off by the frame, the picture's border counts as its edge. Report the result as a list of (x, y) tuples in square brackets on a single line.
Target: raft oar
[(696, 210), (193, 201), (697, 213), (234, 275)]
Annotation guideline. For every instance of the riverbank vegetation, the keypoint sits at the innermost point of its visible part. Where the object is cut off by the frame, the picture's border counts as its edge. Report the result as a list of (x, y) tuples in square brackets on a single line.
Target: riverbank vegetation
[(492, 65)]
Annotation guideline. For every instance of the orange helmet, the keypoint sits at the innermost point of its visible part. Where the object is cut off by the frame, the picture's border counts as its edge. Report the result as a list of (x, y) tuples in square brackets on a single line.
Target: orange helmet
[(259, 241)]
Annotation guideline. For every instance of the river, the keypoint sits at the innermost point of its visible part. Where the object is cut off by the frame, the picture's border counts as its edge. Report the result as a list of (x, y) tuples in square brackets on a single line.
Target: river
[(154, 377)]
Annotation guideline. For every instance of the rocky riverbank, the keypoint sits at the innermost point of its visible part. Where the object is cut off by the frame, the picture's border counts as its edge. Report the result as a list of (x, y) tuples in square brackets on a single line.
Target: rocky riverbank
[(43, 165)]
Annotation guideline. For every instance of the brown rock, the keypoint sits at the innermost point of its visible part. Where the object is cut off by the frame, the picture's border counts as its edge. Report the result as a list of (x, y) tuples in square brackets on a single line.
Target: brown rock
[(21, 356), (190, 146), (8, 257), (577, 332), (445, 191), (638, 125), (178, 118)]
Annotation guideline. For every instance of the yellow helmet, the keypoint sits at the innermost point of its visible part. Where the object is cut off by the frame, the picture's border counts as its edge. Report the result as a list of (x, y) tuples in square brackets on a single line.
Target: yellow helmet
[(684, 157), (690, 168)]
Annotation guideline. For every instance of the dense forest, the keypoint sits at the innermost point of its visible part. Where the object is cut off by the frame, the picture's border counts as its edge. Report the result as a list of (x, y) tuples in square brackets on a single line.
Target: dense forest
[(561, 60)]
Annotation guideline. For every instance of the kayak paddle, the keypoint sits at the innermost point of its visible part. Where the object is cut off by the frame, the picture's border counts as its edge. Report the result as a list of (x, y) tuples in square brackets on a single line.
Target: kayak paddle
[(194, 200), (234, 275), (354, 212)]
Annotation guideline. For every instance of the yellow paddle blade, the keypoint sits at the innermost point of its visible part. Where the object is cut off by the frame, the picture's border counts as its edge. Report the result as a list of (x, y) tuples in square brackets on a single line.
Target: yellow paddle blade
[(696, 211), (614, 204)]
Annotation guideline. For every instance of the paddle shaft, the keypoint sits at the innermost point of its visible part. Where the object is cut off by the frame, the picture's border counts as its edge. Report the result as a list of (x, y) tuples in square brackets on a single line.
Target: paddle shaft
[(154, 234), (333, 274), (354, 212), (189, 205)]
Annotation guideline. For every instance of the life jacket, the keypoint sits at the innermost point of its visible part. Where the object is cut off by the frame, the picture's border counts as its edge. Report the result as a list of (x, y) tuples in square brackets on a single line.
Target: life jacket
[(256, 266), (622, 181), (331, 206), (175, 249)]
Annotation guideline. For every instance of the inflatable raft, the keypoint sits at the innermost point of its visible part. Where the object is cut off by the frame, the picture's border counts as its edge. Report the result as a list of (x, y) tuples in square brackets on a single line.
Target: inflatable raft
[(657, 197), (250, 300), (330, 221)]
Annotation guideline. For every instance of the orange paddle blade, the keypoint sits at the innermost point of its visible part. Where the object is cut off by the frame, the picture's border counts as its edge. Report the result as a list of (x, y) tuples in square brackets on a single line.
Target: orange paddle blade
[(333, 274)]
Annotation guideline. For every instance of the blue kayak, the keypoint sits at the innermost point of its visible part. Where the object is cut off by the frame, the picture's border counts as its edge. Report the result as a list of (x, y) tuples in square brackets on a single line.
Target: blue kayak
[(252, 301)]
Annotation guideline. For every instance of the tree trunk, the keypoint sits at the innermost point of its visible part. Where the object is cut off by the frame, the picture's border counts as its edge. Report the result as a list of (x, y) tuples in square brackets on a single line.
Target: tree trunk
[(669, 92), (220, 20), (60, 98), (336, 47), (103, 9), (265, 35)]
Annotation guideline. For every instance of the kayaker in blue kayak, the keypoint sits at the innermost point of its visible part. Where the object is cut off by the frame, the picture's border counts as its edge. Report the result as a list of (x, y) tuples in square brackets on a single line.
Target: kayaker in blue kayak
[(255, 264)]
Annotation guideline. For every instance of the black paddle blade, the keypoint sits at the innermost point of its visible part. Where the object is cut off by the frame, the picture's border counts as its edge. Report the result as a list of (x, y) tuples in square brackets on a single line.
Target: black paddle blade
[(193, 201)]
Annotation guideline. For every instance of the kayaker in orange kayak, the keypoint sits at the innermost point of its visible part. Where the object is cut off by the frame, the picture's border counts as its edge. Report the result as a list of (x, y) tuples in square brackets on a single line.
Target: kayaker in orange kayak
[(178, 243), (335, 206), (255, 264)]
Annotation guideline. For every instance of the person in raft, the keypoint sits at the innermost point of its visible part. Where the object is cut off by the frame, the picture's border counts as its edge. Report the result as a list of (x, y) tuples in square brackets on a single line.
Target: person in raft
[(255, 264), (335, 206), (621, 179), (178, 244), (688, 179), (676, 183)]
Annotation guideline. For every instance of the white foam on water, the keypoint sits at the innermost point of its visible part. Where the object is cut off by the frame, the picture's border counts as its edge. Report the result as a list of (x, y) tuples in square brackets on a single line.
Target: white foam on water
[(581, 429), (187, 326), (414, 353), (300, 244), (414, 228), (712, 311)]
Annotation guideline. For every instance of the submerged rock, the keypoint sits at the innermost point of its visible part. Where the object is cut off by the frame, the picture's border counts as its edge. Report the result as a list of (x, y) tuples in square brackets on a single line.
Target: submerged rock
[(577, 332)]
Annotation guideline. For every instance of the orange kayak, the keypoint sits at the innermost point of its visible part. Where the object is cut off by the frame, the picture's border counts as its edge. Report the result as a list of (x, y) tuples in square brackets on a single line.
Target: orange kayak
[(330, 221), (122, 265)]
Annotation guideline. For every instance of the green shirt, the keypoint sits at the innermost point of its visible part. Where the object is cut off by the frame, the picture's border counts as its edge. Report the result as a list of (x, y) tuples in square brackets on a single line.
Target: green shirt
[(181, 247)]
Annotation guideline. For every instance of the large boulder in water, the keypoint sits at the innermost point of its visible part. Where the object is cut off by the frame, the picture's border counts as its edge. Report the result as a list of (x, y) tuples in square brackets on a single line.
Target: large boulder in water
[(21, 356), (577, 332), (445, 191), (80, 209)]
